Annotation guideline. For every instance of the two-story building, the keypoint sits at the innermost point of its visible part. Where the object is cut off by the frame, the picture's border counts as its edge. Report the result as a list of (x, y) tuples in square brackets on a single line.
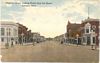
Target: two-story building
[(22, 33), (90, 31), (8, 33), (73, 31), (87, 31)]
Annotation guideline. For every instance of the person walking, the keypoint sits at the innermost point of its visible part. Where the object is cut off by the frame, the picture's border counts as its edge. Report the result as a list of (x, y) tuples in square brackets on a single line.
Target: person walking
[(61, 42), (93, 46), (12, 44)]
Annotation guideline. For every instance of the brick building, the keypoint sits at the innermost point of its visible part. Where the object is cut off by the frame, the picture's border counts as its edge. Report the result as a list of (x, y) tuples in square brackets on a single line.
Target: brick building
[(90, 32), (87, 32), (29, 36), (22, 33), (73, 29)]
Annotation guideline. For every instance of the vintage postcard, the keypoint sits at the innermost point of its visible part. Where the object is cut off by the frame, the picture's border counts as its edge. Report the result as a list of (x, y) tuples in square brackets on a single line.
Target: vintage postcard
[(50, 31)]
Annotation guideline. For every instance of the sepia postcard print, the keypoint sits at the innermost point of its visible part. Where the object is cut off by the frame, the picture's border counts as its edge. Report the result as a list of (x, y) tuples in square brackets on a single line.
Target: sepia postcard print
[(45, 31)]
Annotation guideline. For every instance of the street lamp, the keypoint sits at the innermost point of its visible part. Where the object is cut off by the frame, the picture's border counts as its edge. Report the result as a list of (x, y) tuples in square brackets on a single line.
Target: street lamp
[(22, 37), (93, 40), (64, 37), (69, 31), (77, 35)]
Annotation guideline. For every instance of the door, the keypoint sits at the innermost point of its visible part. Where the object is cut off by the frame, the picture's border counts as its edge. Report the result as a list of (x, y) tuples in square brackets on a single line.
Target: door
[(94, 40), (88, 40), (79, 41)]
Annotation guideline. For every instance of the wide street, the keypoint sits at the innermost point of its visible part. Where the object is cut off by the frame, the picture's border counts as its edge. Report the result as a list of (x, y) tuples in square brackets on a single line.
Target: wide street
[(50, 51)]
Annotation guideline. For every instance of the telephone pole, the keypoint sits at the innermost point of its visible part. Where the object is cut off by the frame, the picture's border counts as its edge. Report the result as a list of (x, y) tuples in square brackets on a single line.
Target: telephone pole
[(88, 12)]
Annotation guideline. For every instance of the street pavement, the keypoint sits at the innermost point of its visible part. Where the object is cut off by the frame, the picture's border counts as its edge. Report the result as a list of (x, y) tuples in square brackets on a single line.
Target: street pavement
[(50, 51)]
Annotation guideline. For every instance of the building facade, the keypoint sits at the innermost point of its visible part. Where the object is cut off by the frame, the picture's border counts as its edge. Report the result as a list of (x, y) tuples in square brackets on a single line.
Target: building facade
[(86, 33), (22, 33), (9, 32), (73, 31), (37, 37), (90, 31), (59, 38)]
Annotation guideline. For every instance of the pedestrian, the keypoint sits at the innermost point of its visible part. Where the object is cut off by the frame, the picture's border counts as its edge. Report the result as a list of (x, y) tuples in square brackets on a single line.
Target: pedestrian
[(93, 47), (61, 41), (12, 44)]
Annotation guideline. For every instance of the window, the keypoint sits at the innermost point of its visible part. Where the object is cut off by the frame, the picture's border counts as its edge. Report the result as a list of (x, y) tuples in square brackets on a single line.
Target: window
[(2, 32), (87, 30), (2, 39), (93, 28)]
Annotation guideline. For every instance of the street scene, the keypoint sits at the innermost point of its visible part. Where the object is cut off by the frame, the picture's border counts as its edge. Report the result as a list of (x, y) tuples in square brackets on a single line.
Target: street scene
[(50, 51), (50, 31)]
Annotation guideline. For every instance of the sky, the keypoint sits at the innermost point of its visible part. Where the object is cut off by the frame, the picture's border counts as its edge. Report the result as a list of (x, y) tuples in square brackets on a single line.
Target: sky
[(50, 19)]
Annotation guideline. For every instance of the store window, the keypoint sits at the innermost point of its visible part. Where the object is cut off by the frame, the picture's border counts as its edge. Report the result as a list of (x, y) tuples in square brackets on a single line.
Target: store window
[(2, 39)]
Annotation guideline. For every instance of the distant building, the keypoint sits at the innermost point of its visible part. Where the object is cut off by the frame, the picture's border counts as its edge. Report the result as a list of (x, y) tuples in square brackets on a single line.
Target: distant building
[(8, 32), (42, 38), (59, 38), (35, 36)]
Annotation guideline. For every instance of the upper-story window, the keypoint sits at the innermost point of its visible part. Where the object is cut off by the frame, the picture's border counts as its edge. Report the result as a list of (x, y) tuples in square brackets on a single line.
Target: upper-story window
[(87, 28), (93, 28), (2, 31)]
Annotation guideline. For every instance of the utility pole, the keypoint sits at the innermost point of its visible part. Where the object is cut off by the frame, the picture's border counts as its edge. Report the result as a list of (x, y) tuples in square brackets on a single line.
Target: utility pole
[(88, 12)]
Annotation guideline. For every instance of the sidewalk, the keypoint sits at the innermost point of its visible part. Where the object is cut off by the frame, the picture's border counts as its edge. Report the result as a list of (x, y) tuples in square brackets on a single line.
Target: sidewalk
[(86, 46)]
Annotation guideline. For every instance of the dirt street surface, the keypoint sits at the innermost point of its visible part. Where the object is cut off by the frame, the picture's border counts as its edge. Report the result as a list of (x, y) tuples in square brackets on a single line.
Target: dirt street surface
[(50, 51)]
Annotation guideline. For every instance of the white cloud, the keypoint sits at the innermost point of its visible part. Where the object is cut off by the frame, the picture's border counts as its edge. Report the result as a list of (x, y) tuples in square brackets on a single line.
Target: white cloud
[(46, 20), (80, 7)]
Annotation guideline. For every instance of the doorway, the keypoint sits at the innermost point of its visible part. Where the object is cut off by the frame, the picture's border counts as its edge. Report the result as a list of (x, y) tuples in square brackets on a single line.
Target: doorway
[(88, 40)]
